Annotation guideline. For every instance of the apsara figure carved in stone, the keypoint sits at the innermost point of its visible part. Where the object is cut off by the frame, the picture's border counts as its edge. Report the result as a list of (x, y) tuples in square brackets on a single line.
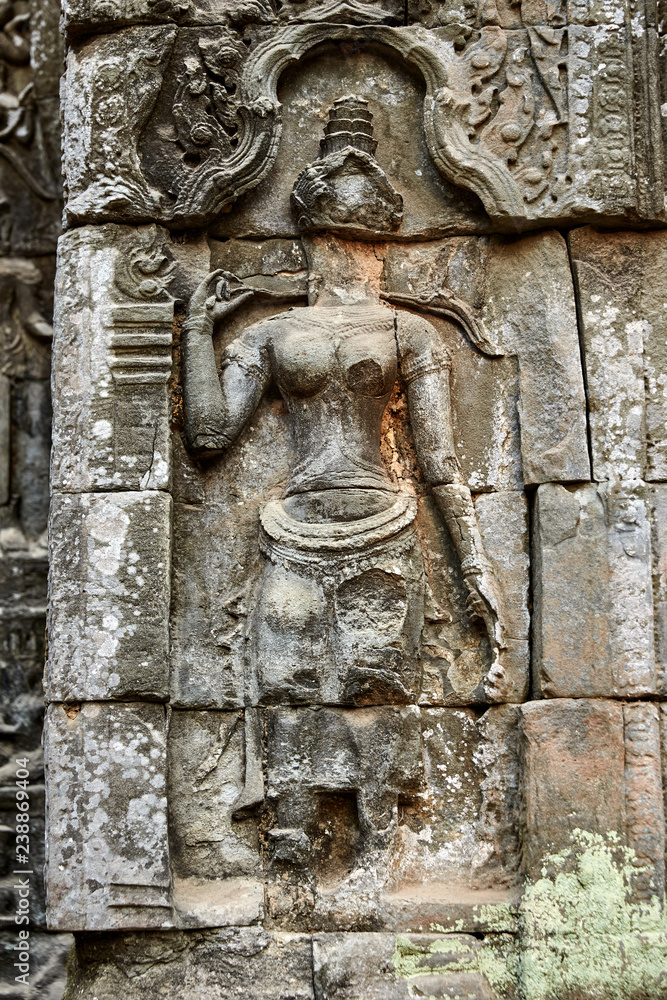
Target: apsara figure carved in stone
[(340, 611), (25, 406)]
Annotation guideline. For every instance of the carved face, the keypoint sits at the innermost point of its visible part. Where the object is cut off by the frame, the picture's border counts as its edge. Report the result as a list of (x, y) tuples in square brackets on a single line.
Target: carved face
[(349, 192)]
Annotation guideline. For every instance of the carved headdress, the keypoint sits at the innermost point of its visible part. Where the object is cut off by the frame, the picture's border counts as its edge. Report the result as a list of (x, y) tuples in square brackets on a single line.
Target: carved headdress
[(346, 188)]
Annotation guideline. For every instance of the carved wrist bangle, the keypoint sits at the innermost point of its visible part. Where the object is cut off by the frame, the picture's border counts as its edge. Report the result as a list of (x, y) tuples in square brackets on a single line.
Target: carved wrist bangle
[(471, 565), (197, 325)]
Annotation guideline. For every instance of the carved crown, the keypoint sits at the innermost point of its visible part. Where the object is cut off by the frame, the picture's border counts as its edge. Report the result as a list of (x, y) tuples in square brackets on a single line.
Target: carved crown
[(347, 189), (350, 124)]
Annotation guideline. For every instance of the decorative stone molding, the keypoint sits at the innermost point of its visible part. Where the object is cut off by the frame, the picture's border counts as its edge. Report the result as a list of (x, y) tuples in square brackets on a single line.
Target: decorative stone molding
[(501, 118)]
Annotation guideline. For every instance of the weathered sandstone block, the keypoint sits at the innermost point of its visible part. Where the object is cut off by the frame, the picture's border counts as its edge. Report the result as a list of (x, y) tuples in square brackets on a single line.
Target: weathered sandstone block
[(622, 287), (593, 620), (107, 847), (284, 966), (520, 418), (216, 592), (215, 770), (112, 360), (563, 149), (594, 766), (395, 967), (110, 592), (272, 966), (86, 15), (398, 816)]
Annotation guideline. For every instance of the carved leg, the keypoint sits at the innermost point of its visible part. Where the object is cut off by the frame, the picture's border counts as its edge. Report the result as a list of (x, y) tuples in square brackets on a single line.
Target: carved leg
[(290, 649), (378, 620)]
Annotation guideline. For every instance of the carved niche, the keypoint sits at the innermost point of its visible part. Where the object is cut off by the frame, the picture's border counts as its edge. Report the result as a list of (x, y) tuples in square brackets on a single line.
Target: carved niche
[(195, 120), (314, 391), (308, 537)]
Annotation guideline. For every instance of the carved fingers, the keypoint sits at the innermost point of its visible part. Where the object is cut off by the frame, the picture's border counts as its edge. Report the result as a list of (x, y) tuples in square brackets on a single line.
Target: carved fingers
[(484, 602), (218, 295), (227, 293), (481, 606)]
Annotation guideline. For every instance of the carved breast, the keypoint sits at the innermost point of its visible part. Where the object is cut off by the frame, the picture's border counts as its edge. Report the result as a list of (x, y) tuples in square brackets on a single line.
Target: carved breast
[(353, 346)]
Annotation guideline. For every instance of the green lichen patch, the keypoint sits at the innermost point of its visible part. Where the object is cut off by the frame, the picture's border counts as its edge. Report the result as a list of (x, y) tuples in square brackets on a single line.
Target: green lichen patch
[(445, 962), (490, 918), (584, 938)]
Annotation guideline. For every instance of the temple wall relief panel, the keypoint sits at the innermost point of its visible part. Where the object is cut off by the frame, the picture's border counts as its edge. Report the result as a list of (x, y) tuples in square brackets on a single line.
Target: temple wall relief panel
[(31, 62), (356, 636)]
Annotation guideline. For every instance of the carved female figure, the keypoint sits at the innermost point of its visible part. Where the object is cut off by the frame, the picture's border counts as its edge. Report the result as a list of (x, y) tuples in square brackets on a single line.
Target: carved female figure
[(25, 407), (341, 605)]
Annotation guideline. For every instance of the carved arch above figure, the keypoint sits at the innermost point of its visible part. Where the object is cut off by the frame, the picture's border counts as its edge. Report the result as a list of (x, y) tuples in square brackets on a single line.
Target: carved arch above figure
[(468, 143), (493, 116)]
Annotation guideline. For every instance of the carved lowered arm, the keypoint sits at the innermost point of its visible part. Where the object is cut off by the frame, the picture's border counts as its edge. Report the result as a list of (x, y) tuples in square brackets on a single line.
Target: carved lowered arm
[(425, 367), (217, 408)]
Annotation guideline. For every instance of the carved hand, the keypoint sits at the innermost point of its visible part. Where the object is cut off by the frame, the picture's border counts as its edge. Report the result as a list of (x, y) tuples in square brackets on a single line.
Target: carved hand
[(218, 295), (484, 598), (485, 602)]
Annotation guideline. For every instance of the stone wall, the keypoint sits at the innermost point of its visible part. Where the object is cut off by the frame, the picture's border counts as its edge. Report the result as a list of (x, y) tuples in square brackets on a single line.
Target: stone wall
[(31, 63), (355, 664)]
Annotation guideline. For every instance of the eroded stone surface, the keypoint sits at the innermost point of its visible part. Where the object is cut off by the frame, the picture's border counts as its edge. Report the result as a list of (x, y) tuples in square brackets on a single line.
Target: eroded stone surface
[(218, 638), (215, 593), (573, 773), (514, 426), (644, 804), (110, 594), (108, 854), (348, 368), (658, 502), (87, 15), (112, 360), (218, 963), (49, 955), (594, 617), (622, 289), (390, 967), (560, 150), (31, 61), (554, 15), (594, 766), (215, 770), (357, 840)]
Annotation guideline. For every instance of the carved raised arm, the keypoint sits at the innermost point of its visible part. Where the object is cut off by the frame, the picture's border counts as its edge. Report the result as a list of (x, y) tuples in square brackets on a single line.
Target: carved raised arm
[(425, 367), (216, 408)]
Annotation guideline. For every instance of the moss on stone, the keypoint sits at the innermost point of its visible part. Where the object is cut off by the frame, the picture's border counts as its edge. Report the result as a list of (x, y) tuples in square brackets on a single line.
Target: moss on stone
[(495, 959), (583, 936)]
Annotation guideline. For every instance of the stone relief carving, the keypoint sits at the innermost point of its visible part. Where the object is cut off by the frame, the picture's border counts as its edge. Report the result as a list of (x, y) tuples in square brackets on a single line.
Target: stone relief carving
[(121, 95), (341, 537), (30, 210), (30, 204), (26, 403), (346, 189), (301, 446), (501, 117)]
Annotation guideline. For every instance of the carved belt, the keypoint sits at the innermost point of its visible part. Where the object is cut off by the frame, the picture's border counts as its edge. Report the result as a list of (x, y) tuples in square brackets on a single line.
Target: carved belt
[(341, 548)]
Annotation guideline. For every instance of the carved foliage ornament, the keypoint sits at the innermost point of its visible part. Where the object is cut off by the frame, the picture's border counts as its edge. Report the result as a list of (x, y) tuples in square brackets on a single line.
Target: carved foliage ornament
[(494, 117), (495, 142)]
